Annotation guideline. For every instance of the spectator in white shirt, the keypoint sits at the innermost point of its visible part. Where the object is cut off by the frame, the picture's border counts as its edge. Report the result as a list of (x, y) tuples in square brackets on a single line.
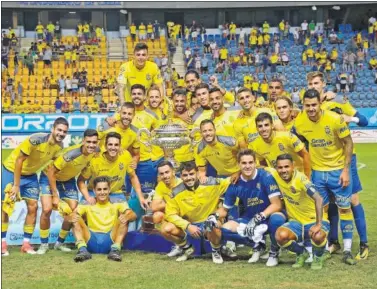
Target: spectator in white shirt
[(68, 85), (242, 36), (304, 27)]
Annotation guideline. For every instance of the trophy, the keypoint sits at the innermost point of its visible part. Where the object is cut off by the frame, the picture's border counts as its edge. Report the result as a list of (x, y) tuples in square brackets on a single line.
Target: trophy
[(169, 137), (147, 225)]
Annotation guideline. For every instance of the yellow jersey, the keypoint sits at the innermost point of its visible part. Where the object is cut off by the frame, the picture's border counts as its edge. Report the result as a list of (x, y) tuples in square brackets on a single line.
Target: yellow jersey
[(39, 29), (130, 75), (150, 28), (71, 163), (324, 138), (141, 29), (194, 206), (129, 135), (274, 59), (224, 122), (184, 153), (101, 218), (6, 106), (67, 55), (297, 196), (232, 28), (264, 87), (260, 39), (283, 142), (116, 170), (223, 53), (86, 28), (50, 28), (149, 120), (222, 156), (38, 150), (245, 128), (133, 29), (342, 107), (255, 85), (162, 192)]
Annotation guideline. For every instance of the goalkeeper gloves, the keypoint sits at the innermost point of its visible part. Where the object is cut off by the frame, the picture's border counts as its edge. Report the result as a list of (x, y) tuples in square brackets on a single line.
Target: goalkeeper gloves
[(255, 221), (211, 222)]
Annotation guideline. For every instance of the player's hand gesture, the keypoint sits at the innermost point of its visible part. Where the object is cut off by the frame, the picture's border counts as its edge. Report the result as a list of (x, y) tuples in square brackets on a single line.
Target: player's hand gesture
[(133, 164), (194, 231), (111, 120), (73, 217), (315, 229), (123, 219), (14, 192), (344, 179), (91, 200), (202, 178), (144, 204)]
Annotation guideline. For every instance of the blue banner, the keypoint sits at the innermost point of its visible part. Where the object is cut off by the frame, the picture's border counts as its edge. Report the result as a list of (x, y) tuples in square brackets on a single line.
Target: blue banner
[(32, 123), (370, 114)]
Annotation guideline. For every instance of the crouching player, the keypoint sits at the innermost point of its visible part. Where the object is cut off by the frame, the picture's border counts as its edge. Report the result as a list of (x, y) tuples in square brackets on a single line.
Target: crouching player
[(190, 205), (258, 190), (105, 225), (304, 205)]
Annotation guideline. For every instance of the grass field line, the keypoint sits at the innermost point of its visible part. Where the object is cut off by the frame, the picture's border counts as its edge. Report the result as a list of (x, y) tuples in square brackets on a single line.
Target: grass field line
[(360, 166)]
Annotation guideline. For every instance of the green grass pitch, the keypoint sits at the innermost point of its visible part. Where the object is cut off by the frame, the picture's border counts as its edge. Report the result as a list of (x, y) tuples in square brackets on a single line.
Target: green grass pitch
[(147, 270)]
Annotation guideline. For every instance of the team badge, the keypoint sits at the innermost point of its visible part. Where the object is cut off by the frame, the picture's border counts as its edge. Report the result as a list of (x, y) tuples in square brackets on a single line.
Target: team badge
[(281, 147), (293, 190), (258, 186), (327, 130), (121, 166), (148, 77)]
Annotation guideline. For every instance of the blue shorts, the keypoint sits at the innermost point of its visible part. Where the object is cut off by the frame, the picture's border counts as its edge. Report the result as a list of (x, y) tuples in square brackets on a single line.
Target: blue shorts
[(67, 189), (242, 220), (147, 174), (29, 185), (114, 198), (327, 183), (302, 231), (356, 184), (99, 243), (201, 227)]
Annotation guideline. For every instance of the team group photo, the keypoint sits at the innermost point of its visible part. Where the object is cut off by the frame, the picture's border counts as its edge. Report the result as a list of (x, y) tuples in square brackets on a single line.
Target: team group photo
[(189, 144)]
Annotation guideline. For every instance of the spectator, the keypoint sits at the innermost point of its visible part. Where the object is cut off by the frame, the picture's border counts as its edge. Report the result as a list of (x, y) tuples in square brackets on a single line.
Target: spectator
[(171, 50), (311, 28), (328, 26), (86, 31), (61, 84), (285, 59), (287, 27), (111, 81), (47, 56), (277, 47), (343, 82), (104, 83), (79, 28), (304, 28), (204, 64), (112, 106), (352, 58), (68, 85), (98, 32), (83, 73), (76, 105), (65, 106), (241, 39), (39, 29), (273, 62), (142, 32), (98, 92), (351, 81), (67, 58), (15, 63), (164, 62), (5, 41), (333, 38), (157, 60), (133, 31), (6, 105), (372, 63), (232, 30), (90, 90), (10, 85), (149, 33), (75, 86), (58, 105), (103, 107), (46, 83), (94, 107), (345, 61), (82, 85), (29, 62), (58, 31), (197, 60), (360, 58), (50, 32), (223, 54), (4, 57), (20, 90), (74, 58), (85, 107), (156, 29)]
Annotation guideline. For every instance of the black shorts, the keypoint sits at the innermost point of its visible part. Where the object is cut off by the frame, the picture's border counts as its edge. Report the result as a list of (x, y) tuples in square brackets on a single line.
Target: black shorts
[(47, 62), (342, 86)]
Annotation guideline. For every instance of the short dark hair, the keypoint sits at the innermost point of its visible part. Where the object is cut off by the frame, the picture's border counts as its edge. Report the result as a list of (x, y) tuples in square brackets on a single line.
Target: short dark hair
[(245, 152), (192, 71), (101, 179), (114, 135), (244, 89), (188, 166), (284, 157), (215, 89), (140, 46), (263, 116), (206, 121), (180, 91), (60, 120), (128, 104), (277, 80), (201, 85), (90, 132), (165, 163), (312, 93), (138, 86)]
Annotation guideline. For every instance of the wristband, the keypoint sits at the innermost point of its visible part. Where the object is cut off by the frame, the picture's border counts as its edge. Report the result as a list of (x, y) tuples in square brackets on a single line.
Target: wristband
[(355, 119)]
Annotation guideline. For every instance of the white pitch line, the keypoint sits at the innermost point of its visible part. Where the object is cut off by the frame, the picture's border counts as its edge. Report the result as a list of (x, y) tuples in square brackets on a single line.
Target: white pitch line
[(361, 166)]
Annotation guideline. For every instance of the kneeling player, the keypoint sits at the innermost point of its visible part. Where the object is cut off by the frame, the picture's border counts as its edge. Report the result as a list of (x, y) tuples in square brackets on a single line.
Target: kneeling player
[(191, 204), (303, 204), (105, 227), (258, 190)]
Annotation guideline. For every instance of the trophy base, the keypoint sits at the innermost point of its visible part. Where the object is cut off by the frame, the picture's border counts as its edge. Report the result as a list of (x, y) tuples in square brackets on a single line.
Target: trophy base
[(147, 225)]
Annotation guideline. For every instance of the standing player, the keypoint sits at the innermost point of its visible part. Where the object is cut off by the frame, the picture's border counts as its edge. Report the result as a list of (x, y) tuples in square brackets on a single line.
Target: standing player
[(58, 180), (20, 181), (270, 144), (138, 71), (218, 151), (330, 149), (126, 129), (189, 208), (258, 190), (105, 225), (303, 205), (329, 101), (285, 111), (244, 126), (115, 165)]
